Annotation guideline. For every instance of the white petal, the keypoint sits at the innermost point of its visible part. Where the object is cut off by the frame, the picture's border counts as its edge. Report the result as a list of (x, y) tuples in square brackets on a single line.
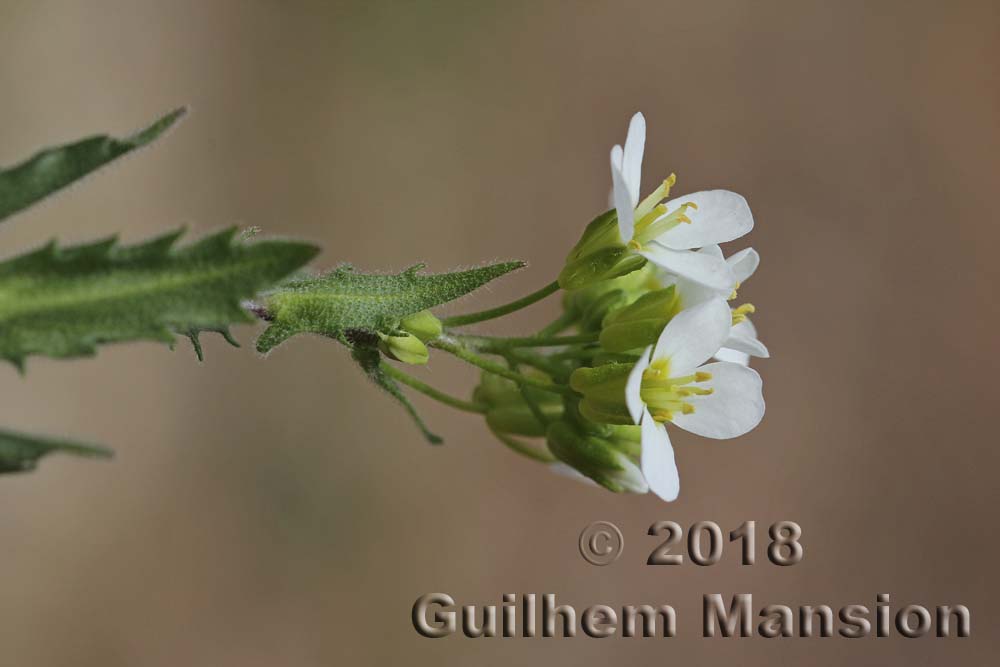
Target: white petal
[(633, 397), (733, 356), (691, 293), (635, 143), (721, 216), (620, 194), (743, 338), (714, 250), (658, 464), (735, 407), (702, 268), (744, 263), (617, 155), (694, 335)]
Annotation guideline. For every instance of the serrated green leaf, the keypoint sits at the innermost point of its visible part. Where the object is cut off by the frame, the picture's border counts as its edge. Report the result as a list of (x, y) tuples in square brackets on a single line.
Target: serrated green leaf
[(343, 301), (63, 302), (54, 168), (370, 361), (20, 452)]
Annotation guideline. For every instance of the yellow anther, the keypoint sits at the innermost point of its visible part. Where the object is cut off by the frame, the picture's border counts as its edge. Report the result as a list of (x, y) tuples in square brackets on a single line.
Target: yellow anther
[(702, 376), (634, 245), (687, 408), (740, 313), (735, 288)]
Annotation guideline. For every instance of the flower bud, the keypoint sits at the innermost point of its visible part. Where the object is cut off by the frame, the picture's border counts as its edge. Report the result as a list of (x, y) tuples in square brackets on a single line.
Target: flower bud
[(596, 457), (591, 304), (423, 325), (508, 412), (406, 348), (640, 323), (520, 419)]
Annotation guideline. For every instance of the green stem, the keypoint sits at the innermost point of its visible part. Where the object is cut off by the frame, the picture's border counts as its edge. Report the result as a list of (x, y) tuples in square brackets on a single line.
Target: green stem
[(523, 449), (528, 398), (541, 362), (561, 323), (499, 369), (428, 390), (500, 311), (490, 343)]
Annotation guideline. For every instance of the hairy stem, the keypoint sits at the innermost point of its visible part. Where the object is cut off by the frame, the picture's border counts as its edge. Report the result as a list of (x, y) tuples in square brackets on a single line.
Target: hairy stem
[(500, 311), (427, 390)]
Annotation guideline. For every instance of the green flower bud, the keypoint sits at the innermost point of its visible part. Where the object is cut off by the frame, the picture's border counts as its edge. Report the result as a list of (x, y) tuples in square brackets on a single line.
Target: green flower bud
[(603, 389), (520, 419), (423, 325), (406, 348), (596, 457), (591, 304), (600, 254), (494, 391), (640, 323)]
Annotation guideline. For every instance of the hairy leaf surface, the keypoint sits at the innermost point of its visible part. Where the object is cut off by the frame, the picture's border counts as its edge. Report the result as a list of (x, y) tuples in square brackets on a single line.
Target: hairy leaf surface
[(20, 452), (54, 168), (342, 302), (63, 302)]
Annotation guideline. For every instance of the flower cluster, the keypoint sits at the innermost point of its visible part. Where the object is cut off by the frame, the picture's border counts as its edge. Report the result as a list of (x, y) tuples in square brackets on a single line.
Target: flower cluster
[(650, 337)]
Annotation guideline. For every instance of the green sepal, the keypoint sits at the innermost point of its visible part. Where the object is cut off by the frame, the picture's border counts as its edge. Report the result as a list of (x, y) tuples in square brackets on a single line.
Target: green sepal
[(64, 302), (343, 300), (594, 457), (603, 389), (404, 347), (369, 360), (640, 323), (600, 233), (604, 264), (54, 168), (424, 325), (20, 452)]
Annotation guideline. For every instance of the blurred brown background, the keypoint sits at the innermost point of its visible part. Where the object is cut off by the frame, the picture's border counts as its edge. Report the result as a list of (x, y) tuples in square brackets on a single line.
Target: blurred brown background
[(281, 511)]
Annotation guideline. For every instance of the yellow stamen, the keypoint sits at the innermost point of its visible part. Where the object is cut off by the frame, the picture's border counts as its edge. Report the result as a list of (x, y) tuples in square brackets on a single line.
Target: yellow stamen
[(667, 396), (740, 313)]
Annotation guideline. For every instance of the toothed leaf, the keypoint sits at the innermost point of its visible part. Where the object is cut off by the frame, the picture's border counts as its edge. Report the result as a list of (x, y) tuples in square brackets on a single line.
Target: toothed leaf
[(63, 302), (344, 301), (20, 452), (54, 168)]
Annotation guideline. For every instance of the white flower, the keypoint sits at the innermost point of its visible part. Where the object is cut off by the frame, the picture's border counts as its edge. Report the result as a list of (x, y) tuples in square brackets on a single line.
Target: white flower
[(742, 342), (672, 383), (664, 233)]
